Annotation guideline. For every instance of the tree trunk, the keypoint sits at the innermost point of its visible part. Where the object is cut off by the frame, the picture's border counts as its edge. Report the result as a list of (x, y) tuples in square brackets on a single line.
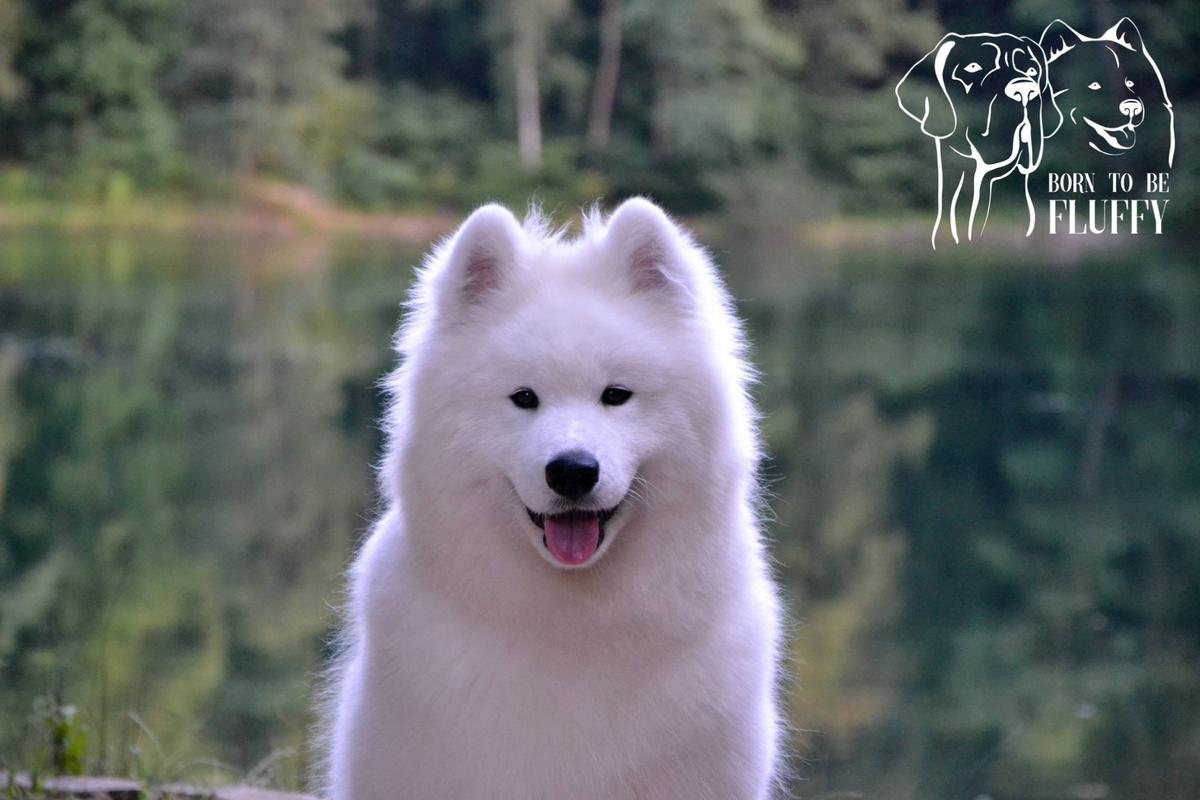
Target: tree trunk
[(525, 62), (369, 41), (608, 70)]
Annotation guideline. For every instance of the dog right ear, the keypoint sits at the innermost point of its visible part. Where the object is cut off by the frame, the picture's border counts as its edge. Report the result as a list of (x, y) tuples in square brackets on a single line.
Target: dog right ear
[(1058, 38), (922, 92), (479, 256)]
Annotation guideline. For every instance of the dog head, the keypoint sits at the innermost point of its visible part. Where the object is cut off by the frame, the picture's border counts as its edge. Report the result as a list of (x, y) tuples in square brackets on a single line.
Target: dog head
[(985, 96), (557, 388), (1105, 84)]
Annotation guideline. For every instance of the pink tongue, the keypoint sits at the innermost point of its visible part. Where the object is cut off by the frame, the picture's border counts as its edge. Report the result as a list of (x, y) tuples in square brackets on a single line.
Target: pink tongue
[(1126, 137), (573, 537)]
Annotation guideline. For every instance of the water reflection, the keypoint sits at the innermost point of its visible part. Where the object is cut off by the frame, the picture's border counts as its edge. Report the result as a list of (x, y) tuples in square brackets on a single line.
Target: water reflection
[(983, 475)]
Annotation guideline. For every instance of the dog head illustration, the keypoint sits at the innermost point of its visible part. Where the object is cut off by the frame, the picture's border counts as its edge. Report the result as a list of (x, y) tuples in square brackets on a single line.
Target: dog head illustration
[(984, 96), (1106, 85)]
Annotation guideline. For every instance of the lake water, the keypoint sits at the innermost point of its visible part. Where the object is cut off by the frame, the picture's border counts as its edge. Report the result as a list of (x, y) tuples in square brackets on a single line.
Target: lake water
[(984, 472)]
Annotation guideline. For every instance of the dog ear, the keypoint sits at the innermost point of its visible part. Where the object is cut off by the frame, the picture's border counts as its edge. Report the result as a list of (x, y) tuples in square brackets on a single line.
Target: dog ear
[(646, 244), (480, 254), (1052, 116), (1126, 34), (1058, 38), (922, 93)]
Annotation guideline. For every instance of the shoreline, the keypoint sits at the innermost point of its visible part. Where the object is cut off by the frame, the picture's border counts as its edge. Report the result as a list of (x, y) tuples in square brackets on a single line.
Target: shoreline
[(281, 210), (261, 208)]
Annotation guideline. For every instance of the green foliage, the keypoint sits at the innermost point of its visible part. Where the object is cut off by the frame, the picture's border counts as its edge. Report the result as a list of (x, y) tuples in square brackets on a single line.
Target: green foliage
[(369, 179), (53, 740), (855, 136), (397, 104), (719, 69), (172, 95), (89, 72), (558, 185), (251, 77), (415, 148), (67, 738)]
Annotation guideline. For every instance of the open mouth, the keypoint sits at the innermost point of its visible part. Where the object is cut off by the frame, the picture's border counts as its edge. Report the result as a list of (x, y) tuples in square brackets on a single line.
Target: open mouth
[(1121, 137), (573, 536)]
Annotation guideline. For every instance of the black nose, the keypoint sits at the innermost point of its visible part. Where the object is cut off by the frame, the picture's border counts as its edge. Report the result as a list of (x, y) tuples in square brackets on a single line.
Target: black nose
[(1021, 89), (1131, 107), (573, 473)]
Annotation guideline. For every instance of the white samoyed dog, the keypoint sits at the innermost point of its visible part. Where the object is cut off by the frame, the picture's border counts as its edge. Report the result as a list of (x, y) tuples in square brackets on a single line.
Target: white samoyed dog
[(567, 596)]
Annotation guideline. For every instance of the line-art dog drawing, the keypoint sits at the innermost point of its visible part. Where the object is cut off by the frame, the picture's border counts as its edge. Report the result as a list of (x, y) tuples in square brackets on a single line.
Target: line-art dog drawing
[(981, 98), (1108, 87)]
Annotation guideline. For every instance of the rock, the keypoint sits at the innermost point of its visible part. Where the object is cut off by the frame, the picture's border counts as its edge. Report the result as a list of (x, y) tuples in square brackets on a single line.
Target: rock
[(111, 788), (122, 789), (187, 792), (250, 793), (183, 791)]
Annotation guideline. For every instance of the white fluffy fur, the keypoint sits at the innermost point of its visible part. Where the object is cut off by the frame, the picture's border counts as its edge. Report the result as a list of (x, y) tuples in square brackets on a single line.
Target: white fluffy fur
[(479, 668)]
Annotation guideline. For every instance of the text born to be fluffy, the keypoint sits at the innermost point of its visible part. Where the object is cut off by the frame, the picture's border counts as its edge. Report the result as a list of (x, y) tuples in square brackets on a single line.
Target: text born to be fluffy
[(1110, 215)]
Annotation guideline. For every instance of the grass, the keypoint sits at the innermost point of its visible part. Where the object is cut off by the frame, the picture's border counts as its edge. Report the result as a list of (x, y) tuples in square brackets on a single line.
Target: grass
[(58, 754)]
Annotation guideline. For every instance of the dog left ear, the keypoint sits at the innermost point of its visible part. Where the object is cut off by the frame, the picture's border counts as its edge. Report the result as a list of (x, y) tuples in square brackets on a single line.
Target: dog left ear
[(1058, 38), (647, 245), (1126, 34), (922, 92)]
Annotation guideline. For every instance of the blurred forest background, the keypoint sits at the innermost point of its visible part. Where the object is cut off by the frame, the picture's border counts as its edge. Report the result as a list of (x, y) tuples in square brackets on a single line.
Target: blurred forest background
[(984, 461), (782, 109)]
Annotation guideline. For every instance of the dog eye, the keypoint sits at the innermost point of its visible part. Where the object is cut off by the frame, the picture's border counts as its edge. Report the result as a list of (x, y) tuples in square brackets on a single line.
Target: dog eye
[(972, 67), (1128, 84), (615, 395), (524, 398), (1031, 71), (1094, 85)]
